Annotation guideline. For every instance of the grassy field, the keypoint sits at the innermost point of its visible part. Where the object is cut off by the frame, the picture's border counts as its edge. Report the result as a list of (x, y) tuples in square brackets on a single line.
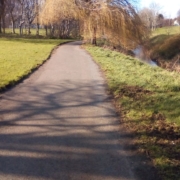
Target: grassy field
[(149, 101), (166, 31), (19, 56)]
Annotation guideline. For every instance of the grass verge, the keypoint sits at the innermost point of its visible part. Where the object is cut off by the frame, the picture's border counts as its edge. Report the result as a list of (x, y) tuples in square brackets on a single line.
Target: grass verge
[(148, 99), (20, 56)]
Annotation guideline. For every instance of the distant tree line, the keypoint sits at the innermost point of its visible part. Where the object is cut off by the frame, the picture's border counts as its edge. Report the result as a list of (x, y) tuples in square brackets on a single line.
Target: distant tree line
[(113, 21), (25, 14), (19, 14), (152, 18)]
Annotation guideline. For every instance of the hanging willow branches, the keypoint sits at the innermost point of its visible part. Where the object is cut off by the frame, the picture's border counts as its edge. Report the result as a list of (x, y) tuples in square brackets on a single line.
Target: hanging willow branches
[(113, 20)]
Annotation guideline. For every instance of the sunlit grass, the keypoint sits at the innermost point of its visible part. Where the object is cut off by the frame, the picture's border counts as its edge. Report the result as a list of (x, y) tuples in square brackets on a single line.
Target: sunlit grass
[(149, 98), (166, 31), (19, 56), (123, 71)]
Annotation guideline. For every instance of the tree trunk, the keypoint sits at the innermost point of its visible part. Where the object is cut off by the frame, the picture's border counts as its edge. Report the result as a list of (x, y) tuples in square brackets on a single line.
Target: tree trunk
[(20, 31), (2, 16), (37, 29), (37, 24), (29, 29), (22, 19), (4, 24), (21, 27), (0, 25), (13, 27), (68, 29), (37, 18), (94, 37), (59, 31), (52, 30), (46, 30)]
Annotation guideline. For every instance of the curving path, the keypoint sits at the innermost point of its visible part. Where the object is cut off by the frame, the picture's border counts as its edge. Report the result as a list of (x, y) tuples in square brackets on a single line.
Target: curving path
[(60, 124)]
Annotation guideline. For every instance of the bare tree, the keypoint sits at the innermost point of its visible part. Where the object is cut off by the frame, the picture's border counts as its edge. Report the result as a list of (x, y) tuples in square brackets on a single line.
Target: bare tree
[(22, 13), (29, 13), (146, 16), (13, 9), (150, 15), (155, 8), (37, 7), (2, 15), (22, 18)]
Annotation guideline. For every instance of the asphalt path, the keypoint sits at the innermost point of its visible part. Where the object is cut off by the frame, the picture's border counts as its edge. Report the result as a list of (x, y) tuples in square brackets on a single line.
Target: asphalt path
[(60, 124)]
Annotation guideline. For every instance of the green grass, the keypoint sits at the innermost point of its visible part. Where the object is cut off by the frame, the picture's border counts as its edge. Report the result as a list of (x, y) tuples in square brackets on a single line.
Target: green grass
[(149, 98), (19, 56), (166, 31)]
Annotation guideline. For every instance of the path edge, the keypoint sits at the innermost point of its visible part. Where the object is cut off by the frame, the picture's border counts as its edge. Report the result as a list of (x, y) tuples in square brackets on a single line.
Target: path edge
[(14, 83)]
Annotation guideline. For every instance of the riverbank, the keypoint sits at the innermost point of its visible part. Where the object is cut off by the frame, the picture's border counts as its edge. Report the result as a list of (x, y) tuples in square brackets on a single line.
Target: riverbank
[(165, 48)]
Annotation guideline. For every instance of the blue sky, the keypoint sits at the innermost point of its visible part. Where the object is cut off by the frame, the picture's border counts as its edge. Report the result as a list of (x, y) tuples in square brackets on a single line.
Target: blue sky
[(169, 8)]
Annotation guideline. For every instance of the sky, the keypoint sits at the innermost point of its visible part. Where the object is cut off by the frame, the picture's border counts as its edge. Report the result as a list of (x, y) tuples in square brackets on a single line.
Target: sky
[(169, 8)]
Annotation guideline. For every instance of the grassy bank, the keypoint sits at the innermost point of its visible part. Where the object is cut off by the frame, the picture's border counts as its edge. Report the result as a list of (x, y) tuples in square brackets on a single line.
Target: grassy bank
[(148, 99), (171, 30), (164, 47), (19, 56)]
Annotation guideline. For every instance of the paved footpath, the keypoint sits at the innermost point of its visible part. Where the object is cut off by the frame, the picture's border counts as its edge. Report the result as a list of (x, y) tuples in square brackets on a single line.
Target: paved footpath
[(60, 124)]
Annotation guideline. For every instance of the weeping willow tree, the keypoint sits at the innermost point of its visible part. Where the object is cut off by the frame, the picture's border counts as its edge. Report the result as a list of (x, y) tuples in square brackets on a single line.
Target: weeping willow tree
[(113, 20)]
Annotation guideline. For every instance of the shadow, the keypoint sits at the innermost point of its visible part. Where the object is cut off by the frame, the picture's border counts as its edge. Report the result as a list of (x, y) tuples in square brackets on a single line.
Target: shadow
[(34, 40), (155, 133), (164, 47), (66, 131), (159, 39)]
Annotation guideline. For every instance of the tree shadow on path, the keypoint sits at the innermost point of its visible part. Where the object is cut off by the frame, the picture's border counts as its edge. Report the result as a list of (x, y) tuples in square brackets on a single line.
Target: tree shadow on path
[(66, 131)]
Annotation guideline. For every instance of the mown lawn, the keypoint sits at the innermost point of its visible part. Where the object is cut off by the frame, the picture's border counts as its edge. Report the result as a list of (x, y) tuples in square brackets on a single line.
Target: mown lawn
[(19, 56), (148, 99)]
